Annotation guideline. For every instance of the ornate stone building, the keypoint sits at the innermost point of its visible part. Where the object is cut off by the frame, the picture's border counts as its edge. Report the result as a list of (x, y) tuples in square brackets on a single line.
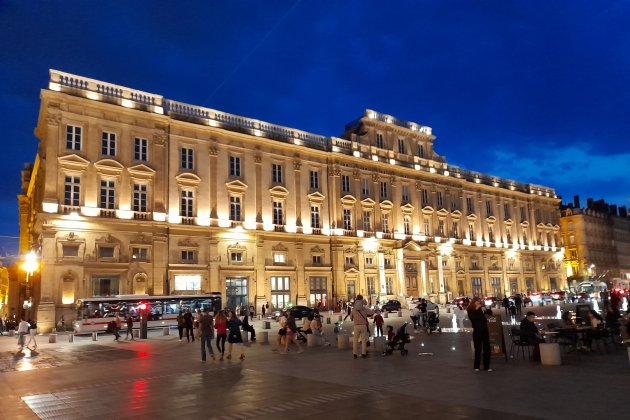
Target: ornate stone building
[(132, 193)]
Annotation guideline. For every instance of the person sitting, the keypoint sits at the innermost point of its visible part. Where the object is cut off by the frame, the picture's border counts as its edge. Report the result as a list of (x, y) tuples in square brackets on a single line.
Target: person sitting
[(306, 324), (246, 326), (529, 333), (390, 335), (567, 321), (595, 319)]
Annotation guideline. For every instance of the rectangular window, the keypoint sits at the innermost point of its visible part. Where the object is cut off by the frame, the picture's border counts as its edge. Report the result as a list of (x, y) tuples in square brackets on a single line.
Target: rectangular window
[(488, 208), (140, 253), (347, 219), (105, 251), (315, 217), (235, 166), (187, 158), (440, 199), (420, 151), (365, 187), (455, 230), (405, 193), (73, 137), (70, 251), (471, 232), (523, 214), (188, 256), (379, 141), (506, 210), (425, 197), (367, 221), (441, 228), (407, 225), (72, 191), (385, 222), (108, 144), (317, 259), (477, 290), (139, 197), (235, 208), (280, 293), (141, 147), (369, 261), (280, 258), (187, 204), (371, 285), (495, 283), (389, 285), (383, 190), (108, 193), (314, 180), (427, 227), (105, 286), (349, 261), (236, 257), (345, 183), (185, 282), (276, 173), (278, 214), (490, 234), (401, 146), (470, 205)]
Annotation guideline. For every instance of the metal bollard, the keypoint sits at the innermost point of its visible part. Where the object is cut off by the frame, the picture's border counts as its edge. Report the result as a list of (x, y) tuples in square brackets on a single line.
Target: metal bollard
[(95, 336)]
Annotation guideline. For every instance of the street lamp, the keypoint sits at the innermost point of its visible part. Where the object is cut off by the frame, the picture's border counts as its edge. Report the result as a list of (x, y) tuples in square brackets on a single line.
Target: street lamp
[(29, 266)]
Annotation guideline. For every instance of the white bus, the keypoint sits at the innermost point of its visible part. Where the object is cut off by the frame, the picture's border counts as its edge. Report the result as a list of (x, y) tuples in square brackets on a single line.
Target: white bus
[(93, 314)]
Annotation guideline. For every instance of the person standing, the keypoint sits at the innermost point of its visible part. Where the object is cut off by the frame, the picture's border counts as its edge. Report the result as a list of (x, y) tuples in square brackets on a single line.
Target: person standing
[(188, 324), (378, 323), (481, 334), (22, 330), (262, 309), (117, 326), (234, 335), (180, 325), (360, 317), (518, 302), (506, 305), (291, 333), (207, 334), (129, 321), (220, 324), (2, 324)]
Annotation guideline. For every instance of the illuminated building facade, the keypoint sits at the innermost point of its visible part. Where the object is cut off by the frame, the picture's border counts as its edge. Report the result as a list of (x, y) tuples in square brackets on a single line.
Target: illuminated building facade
[(132, 193)]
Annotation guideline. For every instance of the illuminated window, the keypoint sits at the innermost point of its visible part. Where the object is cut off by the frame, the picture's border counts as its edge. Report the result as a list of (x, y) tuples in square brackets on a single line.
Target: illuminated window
[(347, 219), (314, 180), (235, 208), (279, 258), (379, 140), (427, 226), (385, 222), (276, 174), (345, 183), (108, 194), (407, 225), (141, 147), (72, 191), (140, 253), (315, 217), (187, 158), (441, 229), (235, 166), (108, 144), (185, 282), (278, 214), (455, 229), (73, 137), (187, 204), (140, 197)]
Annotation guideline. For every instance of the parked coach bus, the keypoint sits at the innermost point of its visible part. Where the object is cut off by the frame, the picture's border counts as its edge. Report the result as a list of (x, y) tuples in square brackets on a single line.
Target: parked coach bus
[(93, 314)]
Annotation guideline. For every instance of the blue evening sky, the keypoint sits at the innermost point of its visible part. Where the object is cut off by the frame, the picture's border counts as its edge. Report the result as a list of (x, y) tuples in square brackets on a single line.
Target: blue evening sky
[(535, 91)]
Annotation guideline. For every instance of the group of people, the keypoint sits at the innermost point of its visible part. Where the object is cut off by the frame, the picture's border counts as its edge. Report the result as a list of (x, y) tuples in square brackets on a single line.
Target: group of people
[(227, 325)]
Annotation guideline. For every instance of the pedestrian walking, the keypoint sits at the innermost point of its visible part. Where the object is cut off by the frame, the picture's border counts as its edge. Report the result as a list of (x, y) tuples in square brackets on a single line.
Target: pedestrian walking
[(506, 305), (22, 330), (117, 327), (129, 321), (262, 309), (481, 334), (359, 316), (378, 323), (180, 325), (291, 333), (32, 331), (188, 324), (518, 302), (220, 324), (207, 333), (234, 335)]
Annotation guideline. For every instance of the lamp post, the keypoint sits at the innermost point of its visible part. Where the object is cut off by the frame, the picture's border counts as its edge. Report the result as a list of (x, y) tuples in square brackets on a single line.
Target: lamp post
[(29, 266)]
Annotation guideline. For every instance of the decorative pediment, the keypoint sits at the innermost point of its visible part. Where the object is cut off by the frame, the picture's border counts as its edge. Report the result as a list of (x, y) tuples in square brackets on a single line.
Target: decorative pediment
[(236, 186), (186, 242), (442, 213), (525, 223), (237, 247), (509, 222), (279, 247), (348, 200), (460, 272), (428, 210), (549, 226), (368, 202), (278, 192), (350, 250), (407, 208), (69, 276), (352, 270), (109, 167), (141, 239), (386, 205), (491, 219), (472, 217), (541, 225), (188, 179), (108, 239), (456, 213), (71, 237), (316, 197), (317, 250), (412, 246), (141, 171), (73, 162), (556, 227)]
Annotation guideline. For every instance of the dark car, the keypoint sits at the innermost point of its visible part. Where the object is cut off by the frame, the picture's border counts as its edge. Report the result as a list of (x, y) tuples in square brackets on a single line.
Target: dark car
[(391, 306), (462, 301), (298, 312)]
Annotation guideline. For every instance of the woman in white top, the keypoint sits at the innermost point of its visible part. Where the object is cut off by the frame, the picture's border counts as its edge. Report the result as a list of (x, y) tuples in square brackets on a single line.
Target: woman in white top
[(23, 328), (33, 332)]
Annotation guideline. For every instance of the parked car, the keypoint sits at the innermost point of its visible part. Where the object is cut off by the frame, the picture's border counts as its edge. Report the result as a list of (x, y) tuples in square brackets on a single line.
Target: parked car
[(462, 300), (491, 301), (298, 312), (559, 295), (391, 306)]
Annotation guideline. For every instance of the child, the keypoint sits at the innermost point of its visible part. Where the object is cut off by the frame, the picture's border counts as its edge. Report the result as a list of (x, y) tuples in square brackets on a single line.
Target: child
[(390, 334), (378, 323)]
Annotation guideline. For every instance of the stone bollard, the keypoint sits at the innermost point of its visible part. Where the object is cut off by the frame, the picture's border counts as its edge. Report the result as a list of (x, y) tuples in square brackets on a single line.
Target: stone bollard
[(310, 340), (11, 333), (54, 331), (166, 331), (244, 336), (95, 336), (339, 318), (262, 337), (342, 341), (266, 325), (385, 314), (399, 314), (550, 354), (71, 338), (52, 338), (379, 344), (136, 333), (259, 317)]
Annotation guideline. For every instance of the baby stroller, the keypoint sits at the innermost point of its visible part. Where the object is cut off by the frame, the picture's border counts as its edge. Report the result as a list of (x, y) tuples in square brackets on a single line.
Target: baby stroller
[(398, 342), (301, 335), (433, 323)]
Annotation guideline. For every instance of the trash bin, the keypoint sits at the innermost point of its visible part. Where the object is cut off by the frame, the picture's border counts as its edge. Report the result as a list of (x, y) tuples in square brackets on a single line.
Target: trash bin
[(262, 337), (550, 354), (266, 325)]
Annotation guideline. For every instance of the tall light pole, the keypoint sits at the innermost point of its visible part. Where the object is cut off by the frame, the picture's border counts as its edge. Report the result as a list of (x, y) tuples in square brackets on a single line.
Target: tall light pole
[(29, 266)]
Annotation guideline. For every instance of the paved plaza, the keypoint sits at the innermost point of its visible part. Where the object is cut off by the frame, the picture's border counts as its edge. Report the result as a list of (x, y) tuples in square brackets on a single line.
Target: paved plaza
[(164, 378)]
